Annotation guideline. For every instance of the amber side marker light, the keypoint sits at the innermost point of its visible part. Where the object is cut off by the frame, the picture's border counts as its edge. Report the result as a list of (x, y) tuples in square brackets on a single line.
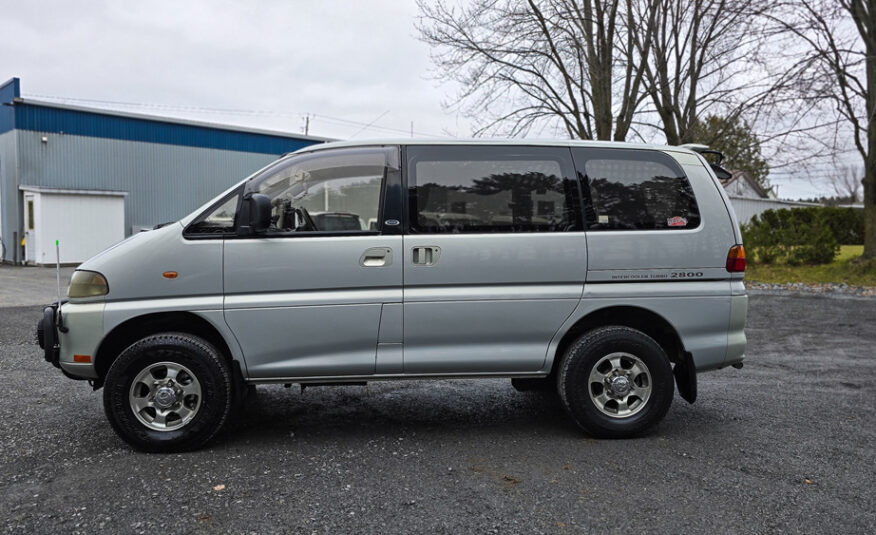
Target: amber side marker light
[(736, 259), (170, 274), (82, 359)]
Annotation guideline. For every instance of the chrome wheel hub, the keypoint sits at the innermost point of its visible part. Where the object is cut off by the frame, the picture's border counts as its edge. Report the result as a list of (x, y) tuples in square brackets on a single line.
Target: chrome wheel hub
[(619, 385), (165, 396)]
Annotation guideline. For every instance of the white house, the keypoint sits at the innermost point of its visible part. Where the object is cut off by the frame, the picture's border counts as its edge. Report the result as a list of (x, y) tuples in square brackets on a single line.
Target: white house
[(750, 199)]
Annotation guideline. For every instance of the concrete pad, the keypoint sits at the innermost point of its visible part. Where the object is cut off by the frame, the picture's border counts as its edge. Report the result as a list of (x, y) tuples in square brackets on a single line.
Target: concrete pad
[(27, 285)]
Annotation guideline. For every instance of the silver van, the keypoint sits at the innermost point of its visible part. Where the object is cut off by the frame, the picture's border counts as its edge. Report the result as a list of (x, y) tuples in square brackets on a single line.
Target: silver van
[(608, 273)]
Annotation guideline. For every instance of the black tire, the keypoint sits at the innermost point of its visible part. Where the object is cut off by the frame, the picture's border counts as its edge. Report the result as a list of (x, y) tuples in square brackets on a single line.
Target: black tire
[(195, 354), (573, 381)]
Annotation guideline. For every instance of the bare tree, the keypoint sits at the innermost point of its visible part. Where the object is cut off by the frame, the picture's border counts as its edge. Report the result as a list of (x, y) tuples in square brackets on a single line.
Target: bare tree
[(525, 65), (846, 182), (602, 69), (703, 58), (839, 41)]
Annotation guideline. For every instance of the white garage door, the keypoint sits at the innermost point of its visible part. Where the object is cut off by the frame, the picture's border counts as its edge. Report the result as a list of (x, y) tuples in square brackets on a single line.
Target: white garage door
[(83, 222)]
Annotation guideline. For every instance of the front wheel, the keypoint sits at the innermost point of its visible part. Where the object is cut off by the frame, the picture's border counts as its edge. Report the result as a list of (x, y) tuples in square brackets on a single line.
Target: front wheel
[(616, 382), (168, 392)]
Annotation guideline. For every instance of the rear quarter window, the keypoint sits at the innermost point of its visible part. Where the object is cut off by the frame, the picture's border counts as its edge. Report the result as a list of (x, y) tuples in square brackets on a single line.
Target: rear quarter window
[(635, 190), (484, 189)]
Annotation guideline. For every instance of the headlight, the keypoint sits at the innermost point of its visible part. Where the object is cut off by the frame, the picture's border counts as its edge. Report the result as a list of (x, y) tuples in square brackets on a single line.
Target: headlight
[(87, 284)]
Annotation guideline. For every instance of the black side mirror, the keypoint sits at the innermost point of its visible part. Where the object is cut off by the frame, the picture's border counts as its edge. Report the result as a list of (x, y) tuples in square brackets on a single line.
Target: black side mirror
[(255, 214)]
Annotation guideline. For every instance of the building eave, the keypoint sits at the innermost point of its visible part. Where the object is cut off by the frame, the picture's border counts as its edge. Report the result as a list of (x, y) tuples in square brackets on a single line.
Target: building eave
[(167, 120), (65, 191)]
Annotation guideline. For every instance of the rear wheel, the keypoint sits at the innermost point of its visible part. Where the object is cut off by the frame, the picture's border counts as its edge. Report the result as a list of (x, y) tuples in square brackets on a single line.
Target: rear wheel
[(168, 392), (616, 382)]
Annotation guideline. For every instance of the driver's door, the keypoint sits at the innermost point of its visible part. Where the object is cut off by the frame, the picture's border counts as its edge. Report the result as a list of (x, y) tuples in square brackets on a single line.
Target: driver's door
[(305, 298)]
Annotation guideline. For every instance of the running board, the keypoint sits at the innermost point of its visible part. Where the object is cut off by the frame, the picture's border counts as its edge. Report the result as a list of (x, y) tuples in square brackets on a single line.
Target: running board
[(359, 379)]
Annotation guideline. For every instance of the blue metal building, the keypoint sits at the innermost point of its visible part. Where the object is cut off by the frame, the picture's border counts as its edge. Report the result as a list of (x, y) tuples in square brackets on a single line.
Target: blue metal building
[(158, 169)]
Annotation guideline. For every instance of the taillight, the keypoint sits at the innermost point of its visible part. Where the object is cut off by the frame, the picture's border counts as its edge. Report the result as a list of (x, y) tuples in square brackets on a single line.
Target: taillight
[(736, 259)]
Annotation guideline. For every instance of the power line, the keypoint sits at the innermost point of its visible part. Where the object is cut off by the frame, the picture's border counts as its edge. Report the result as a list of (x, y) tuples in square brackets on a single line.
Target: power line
[(357, 132), (241, 111)]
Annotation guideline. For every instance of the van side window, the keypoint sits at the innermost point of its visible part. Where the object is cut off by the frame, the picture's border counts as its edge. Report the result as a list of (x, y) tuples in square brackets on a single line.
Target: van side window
[(635, 190), (332, 191), (453, 189)]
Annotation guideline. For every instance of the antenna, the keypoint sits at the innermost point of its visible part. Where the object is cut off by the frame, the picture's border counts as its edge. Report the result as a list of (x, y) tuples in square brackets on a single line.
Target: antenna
[(58, 269), (58, 275)]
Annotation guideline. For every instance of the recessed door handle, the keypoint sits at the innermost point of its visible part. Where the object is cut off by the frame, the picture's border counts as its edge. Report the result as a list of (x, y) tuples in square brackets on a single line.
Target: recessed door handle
[(376, 257), (425, 256)]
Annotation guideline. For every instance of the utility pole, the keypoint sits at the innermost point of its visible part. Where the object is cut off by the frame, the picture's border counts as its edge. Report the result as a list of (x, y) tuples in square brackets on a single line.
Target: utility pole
[(412, 129), (307, 124)]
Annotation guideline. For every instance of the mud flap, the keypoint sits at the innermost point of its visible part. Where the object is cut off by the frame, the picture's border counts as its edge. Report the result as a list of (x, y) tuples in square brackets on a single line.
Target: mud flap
[(240, 390), (686, 378)]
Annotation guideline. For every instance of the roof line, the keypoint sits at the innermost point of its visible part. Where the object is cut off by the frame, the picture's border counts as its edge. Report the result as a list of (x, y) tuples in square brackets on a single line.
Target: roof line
[(67, 191), (15, 82), (518, 142), (165, 119), (780, 201), (737, 173)]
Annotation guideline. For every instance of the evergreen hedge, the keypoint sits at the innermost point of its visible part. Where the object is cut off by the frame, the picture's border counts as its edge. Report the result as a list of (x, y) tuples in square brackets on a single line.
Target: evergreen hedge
[(810, 235)]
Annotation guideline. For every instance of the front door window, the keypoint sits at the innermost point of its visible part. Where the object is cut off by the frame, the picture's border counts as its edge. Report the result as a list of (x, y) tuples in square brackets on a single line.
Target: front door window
[(326, 193)]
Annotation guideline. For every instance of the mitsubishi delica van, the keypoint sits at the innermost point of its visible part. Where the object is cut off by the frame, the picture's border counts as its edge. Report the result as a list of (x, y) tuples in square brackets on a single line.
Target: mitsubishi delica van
[(608, 273)]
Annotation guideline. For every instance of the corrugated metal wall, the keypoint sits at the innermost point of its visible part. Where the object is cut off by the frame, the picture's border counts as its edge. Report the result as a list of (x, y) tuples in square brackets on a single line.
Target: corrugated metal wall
[(164, 182), (9, 199), (96, 123), (746, 208), (9, 90)]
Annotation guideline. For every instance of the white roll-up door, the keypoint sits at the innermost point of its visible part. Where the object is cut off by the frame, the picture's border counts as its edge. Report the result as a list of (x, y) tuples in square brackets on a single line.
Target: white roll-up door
[(83, 222)]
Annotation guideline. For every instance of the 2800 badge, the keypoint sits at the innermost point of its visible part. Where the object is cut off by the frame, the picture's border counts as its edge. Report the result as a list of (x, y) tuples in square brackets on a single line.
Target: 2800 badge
[(686, 275)]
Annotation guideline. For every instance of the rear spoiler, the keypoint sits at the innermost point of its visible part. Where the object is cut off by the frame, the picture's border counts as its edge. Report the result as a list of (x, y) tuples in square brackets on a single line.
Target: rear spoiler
[(720, 172)]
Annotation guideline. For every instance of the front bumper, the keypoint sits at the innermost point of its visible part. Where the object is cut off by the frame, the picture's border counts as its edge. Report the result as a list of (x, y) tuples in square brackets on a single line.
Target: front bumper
[(70, 338)]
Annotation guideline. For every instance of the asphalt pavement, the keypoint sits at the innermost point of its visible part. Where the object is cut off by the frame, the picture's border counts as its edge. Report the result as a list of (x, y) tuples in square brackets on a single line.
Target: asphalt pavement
[(785, 445)]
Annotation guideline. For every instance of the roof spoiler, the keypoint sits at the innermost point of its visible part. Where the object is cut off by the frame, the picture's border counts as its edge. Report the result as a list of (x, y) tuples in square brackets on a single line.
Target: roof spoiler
[(720, 172)]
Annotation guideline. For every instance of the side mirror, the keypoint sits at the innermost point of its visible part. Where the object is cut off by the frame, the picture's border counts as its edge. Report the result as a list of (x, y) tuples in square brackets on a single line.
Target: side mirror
[(255, 214)]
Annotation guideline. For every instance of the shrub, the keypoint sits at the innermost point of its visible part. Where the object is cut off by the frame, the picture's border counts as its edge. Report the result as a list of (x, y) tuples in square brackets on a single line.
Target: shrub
[(810, 235), (846, 224), (822, 248)]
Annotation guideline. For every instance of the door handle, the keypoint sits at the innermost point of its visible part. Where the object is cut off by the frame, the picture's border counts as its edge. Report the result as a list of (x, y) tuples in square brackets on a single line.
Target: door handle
[(376, 257), (425, 256)]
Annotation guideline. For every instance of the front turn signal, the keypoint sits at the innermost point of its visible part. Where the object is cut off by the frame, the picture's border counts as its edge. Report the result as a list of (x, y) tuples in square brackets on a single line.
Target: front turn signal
[(736, 259)]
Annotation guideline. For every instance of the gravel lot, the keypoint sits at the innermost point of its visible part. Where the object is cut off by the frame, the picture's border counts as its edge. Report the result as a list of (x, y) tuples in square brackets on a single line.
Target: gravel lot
[(785, 445)]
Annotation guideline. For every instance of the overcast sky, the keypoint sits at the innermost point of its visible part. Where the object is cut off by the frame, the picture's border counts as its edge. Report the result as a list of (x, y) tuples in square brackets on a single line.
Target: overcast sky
[(346, 63)]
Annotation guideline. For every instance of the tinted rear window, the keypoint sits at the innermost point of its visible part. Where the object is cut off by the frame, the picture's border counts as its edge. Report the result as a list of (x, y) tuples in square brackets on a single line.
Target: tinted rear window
[(492, 189), (635, 190)]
